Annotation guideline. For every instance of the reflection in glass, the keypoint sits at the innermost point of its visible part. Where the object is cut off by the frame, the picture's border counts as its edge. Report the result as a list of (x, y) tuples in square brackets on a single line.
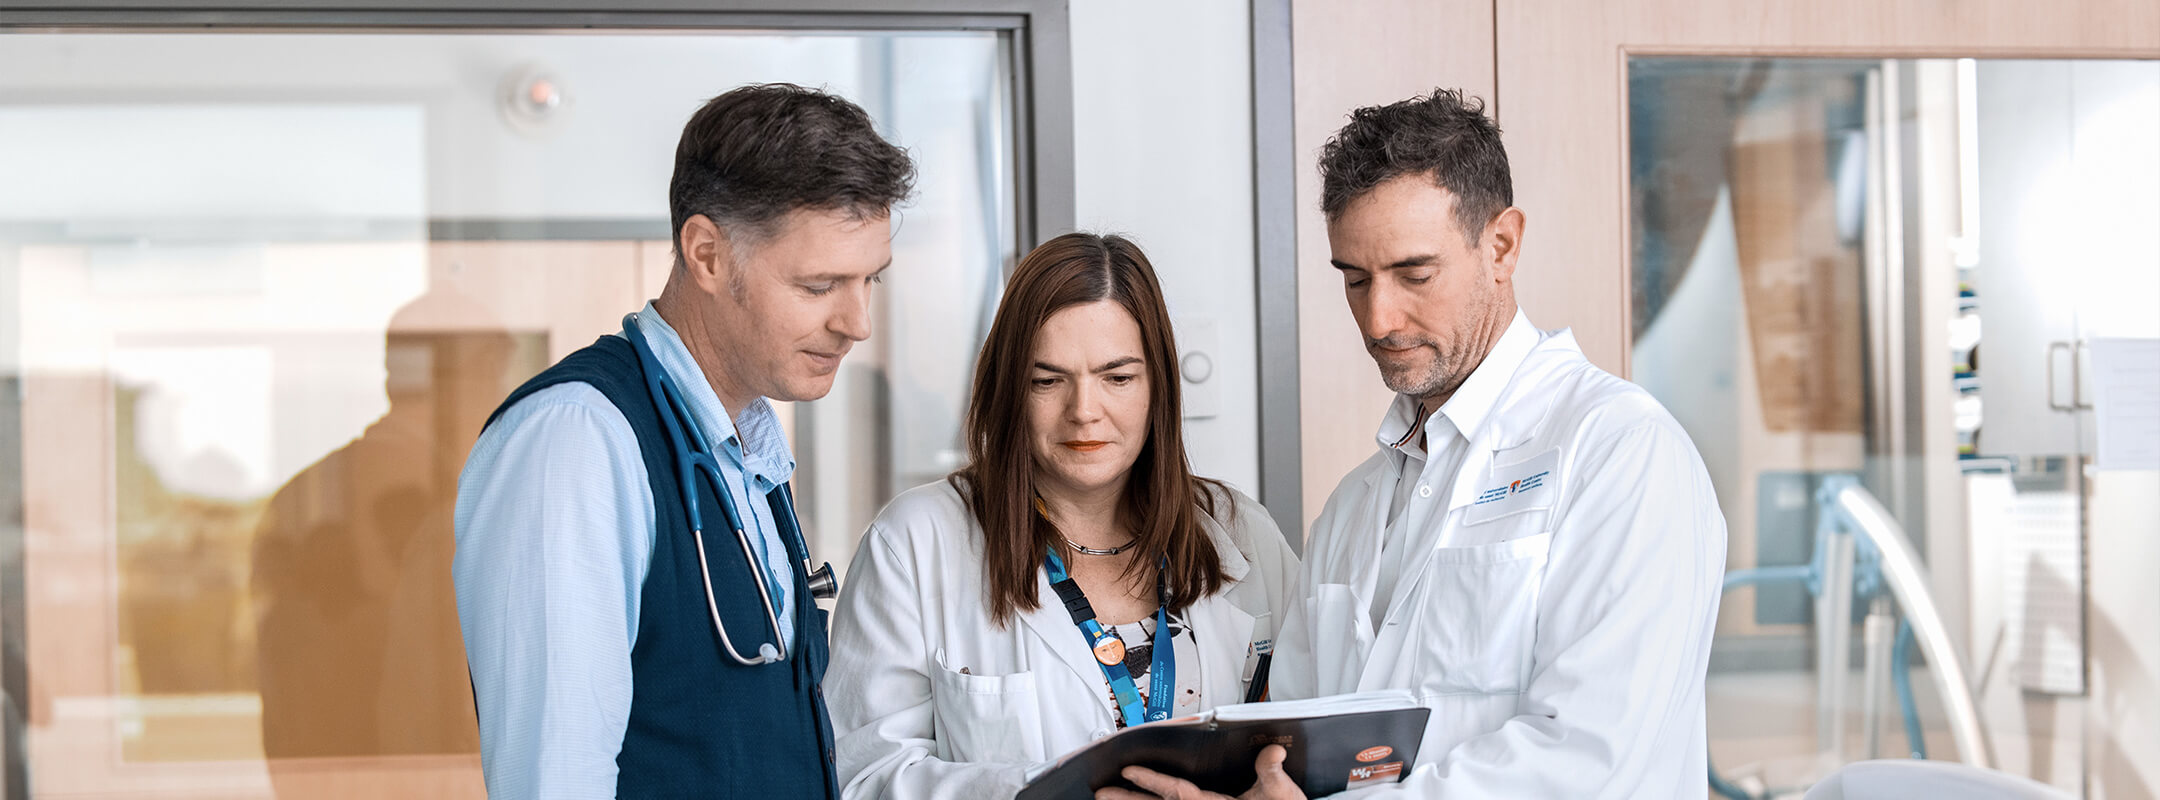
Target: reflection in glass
[(261, 292), (1815, 246), (1748, 183)]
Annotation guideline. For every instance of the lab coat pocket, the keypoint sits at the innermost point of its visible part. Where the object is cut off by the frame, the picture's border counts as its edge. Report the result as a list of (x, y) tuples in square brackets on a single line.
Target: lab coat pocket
[(1480, 614), (985, 717)]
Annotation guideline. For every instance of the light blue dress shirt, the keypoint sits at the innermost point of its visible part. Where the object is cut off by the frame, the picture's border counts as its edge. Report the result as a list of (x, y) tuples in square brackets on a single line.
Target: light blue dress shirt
[(554, 540)]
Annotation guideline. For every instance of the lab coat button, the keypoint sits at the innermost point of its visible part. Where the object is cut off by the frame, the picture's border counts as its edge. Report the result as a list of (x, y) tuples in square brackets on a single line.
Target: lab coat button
[(1100, 733), (1424, 490)]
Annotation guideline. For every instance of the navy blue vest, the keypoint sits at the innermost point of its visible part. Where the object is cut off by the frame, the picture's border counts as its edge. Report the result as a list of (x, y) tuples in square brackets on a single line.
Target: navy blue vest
[(702, 725)]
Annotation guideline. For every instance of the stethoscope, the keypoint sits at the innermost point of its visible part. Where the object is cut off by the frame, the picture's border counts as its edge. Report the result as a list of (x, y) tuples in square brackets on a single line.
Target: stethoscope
[(693, 459)]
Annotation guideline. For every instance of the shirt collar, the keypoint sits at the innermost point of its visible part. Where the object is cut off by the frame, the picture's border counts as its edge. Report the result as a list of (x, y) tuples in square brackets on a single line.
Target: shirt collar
[(1472, 402), (752, 439), (1399, 430)]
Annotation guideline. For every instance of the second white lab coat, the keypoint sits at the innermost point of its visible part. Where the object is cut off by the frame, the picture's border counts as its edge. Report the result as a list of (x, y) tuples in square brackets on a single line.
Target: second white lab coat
[(1557, 614), (929, 699)]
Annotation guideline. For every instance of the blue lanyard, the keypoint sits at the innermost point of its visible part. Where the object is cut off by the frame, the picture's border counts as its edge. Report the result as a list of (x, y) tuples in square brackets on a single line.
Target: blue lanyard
[(1110, 650)]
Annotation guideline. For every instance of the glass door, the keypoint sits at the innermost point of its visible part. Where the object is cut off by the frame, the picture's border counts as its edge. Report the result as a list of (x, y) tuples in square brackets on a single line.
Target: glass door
[(1894, 272)]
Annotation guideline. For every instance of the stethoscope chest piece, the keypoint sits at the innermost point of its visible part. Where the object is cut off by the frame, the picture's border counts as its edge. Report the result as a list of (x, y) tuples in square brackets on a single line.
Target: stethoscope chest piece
[(823, 586)]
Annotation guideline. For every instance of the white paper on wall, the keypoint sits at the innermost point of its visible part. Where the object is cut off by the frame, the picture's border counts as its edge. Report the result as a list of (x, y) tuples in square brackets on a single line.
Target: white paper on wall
[(2126, 402)]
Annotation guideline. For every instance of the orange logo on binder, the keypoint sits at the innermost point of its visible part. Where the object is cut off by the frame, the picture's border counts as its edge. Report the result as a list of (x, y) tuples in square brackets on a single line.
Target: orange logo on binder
[(1372, 754)]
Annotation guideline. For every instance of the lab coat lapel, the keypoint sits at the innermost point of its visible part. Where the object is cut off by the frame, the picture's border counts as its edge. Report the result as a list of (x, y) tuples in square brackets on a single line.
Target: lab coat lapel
[(1392, 632), (1345, 638), (1509, 425), (1215, 622), (1050, 622), (1218, 624), (1476, 470), (1475, 465), (1360, 564), (1220, 628)]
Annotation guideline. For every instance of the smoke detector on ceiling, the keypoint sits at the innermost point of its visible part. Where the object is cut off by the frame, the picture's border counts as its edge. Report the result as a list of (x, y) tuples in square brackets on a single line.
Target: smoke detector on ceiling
[(532, 100)]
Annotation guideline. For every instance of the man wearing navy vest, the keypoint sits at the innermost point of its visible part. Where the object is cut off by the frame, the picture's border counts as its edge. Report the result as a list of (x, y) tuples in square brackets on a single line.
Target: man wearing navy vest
[(597, 663)]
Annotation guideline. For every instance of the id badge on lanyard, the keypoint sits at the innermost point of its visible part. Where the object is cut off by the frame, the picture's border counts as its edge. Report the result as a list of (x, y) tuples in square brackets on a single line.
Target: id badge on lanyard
[(1110, 650)]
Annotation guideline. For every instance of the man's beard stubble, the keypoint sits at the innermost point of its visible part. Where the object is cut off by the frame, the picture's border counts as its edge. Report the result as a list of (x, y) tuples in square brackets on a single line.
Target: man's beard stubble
[(1443, 371)]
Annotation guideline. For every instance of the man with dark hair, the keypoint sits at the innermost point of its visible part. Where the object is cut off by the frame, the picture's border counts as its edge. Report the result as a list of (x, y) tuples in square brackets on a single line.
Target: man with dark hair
[(1534, 551), (617, 648)]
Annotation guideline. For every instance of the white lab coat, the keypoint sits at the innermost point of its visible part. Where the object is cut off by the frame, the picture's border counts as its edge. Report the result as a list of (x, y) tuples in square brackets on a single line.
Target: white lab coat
[(1559, 632), (910, 723)]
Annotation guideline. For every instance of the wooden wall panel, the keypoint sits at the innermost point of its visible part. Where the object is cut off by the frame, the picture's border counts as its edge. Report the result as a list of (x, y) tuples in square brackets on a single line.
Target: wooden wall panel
[(1348, 55)]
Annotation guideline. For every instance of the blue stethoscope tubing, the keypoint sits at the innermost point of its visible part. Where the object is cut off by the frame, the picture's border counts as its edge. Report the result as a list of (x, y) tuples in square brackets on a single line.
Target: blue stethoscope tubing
[(693, 459)]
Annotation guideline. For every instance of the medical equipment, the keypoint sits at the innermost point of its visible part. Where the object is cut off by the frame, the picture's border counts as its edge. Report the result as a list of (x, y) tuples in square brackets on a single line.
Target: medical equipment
[(1861, 551), (693, 459)]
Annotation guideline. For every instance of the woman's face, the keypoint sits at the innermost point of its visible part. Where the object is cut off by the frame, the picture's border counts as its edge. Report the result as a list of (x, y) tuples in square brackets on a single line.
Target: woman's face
[(1088, 398)]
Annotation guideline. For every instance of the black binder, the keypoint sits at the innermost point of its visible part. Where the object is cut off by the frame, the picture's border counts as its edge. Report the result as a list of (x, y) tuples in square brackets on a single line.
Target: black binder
[(1326, 754)]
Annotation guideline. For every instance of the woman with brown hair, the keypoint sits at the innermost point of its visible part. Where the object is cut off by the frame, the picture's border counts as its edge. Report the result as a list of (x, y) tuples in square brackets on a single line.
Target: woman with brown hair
[(1075, 577)]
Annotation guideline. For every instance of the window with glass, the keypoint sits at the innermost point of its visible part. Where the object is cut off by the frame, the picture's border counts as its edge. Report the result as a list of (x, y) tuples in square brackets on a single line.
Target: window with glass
[(260, 290)]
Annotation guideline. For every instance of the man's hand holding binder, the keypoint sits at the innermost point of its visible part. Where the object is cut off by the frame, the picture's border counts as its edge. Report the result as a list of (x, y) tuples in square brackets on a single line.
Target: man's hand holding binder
[(1274, 783)]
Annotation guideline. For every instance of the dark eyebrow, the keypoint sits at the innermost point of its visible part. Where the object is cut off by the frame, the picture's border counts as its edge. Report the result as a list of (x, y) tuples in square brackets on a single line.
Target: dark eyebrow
[(1427, 259), (1117, 363), (836, 277), (1104, 368)]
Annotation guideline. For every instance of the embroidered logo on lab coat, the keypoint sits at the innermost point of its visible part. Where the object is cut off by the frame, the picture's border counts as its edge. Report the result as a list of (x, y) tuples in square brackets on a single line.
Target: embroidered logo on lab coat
[(1512, 488), (1525, 485)]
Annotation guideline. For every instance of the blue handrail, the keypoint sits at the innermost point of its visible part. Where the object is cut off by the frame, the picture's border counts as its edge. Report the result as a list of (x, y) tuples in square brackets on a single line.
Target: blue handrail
[(1900, 657)]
